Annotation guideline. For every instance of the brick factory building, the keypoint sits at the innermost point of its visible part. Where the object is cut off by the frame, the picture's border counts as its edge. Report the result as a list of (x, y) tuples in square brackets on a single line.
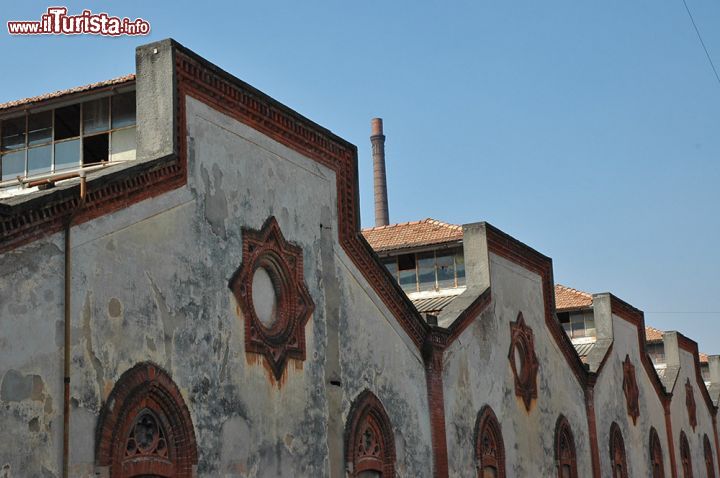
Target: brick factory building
[(186, 291)]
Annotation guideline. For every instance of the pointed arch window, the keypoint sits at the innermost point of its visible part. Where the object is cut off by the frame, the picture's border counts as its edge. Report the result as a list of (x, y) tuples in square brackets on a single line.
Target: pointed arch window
[(369, 439), (145, 427), (709, 463), (489, 446), (685, 457), (657, 466), (617, 452), (565, 457)]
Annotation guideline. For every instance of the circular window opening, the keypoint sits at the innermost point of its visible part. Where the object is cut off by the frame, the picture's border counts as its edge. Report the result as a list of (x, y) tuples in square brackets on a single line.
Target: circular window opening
[(264, 297)]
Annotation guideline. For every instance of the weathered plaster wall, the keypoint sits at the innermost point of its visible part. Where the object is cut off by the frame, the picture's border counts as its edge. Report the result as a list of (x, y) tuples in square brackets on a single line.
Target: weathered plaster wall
[(611, 406), (31, 310), (681, 420), (150, 283), (477, 372)]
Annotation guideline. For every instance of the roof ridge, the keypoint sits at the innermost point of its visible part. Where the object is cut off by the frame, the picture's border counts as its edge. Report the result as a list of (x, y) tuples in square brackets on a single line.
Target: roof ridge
[(577, 291), (67, 91), (427, 220)]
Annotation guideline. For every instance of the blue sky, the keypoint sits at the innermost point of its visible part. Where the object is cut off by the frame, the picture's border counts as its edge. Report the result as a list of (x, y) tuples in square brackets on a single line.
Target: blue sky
[(588, 130)]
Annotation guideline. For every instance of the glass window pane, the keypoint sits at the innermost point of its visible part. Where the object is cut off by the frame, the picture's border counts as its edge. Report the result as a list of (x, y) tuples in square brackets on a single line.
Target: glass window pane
[(39, 160), (123, 110), (96, 116), (13, 133), (391, 266), (445, 271), (67, 154), (95, 149), (426, 270), (460, 267), (408, 281), (123, 145), (40, 128), (578, 327), (67, 122), (13, 165)]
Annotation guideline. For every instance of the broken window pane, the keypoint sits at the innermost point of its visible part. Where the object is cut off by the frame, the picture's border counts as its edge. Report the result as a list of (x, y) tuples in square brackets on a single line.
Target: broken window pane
[(123, 145), (39, 160), (40, 128), (13, 133), (123, 110), (13, 165), (67, 154), (67, 122), (426, 270), (445, 270), (95, 149), (96, 116)]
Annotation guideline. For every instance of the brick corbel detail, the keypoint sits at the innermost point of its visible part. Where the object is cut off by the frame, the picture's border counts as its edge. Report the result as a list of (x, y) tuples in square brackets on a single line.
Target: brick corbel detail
[(433, 350)]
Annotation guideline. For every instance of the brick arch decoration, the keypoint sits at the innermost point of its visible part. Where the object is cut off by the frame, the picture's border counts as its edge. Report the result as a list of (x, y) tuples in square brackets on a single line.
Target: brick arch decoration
[(709, 462), (145, 427), (489, 445), (369, 438), (685, 457), (657, 465), (618, 459), (565, 455)]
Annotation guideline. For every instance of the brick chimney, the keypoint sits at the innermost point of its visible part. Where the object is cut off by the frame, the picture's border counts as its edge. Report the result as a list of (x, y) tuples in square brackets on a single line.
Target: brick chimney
[(377, 139)]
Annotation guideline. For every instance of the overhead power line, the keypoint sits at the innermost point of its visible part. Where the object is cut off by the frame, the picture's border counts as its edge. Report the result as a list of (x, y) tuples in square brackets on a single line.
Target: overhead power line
[(707, 54)]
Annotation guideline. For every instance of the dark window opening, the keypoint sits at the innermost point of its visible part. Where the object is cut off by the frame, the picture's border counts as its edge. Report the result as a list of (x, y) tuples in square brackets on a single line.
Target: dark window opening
[(67, 122), (40, 128), (95, 149)]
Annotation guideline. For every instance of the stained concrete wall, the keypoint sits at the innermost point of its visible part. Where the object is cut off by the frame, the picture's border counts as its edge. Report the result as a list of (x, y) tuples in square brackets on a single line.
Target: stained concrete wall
[(611, 406), (477, 372), (150, 283)]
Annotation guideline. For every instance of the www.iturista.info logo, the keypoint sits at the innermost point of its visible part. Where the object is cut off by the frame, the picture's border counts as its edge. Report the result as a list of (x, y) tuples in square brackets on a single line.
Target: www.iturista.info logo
[(56, 21)]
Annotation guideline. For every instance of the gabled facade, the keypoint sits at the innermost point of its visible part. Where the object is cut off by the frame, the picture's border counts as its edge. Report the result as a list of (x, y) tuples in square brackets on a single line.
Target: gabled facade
[(207, 305)]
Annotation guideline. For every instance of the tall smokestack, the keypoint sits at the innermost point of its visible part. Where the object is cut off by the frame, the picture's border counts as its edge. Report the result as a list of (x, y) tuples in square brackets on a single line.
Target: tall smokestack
[(377, 139)]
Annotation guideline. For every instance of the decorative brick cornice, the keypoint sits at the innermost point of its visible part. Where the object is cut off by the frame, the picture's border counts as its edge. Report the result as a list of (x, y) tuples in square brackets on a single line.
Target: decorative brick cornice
[(284, 338), (691, 347), (515, 251), (220, 90), (636, 317), (145, 387)]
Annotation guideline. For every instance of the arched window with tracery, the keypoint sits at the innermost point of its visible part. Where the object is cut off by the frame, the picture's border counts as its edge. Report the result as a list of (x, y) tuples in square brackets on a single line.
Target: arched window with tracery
[(685, 457), (369, 439), (709, 462), (617, 452), (489, 446), (565, 457), (145, 428), (657, 466)]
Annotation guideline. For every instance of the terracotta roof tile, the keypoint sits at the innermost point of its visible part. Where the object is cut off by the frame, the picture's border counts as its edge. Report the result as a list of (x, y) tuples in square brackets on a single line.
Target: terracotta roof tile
[(652, 334), (57, 94), (567, 298), (412, 234)]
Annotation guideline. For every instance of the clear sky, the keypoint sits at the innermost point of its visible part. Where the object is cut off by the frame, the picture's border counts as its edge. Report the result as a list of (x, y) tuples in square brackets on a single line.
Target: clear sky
[(588, 130)]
